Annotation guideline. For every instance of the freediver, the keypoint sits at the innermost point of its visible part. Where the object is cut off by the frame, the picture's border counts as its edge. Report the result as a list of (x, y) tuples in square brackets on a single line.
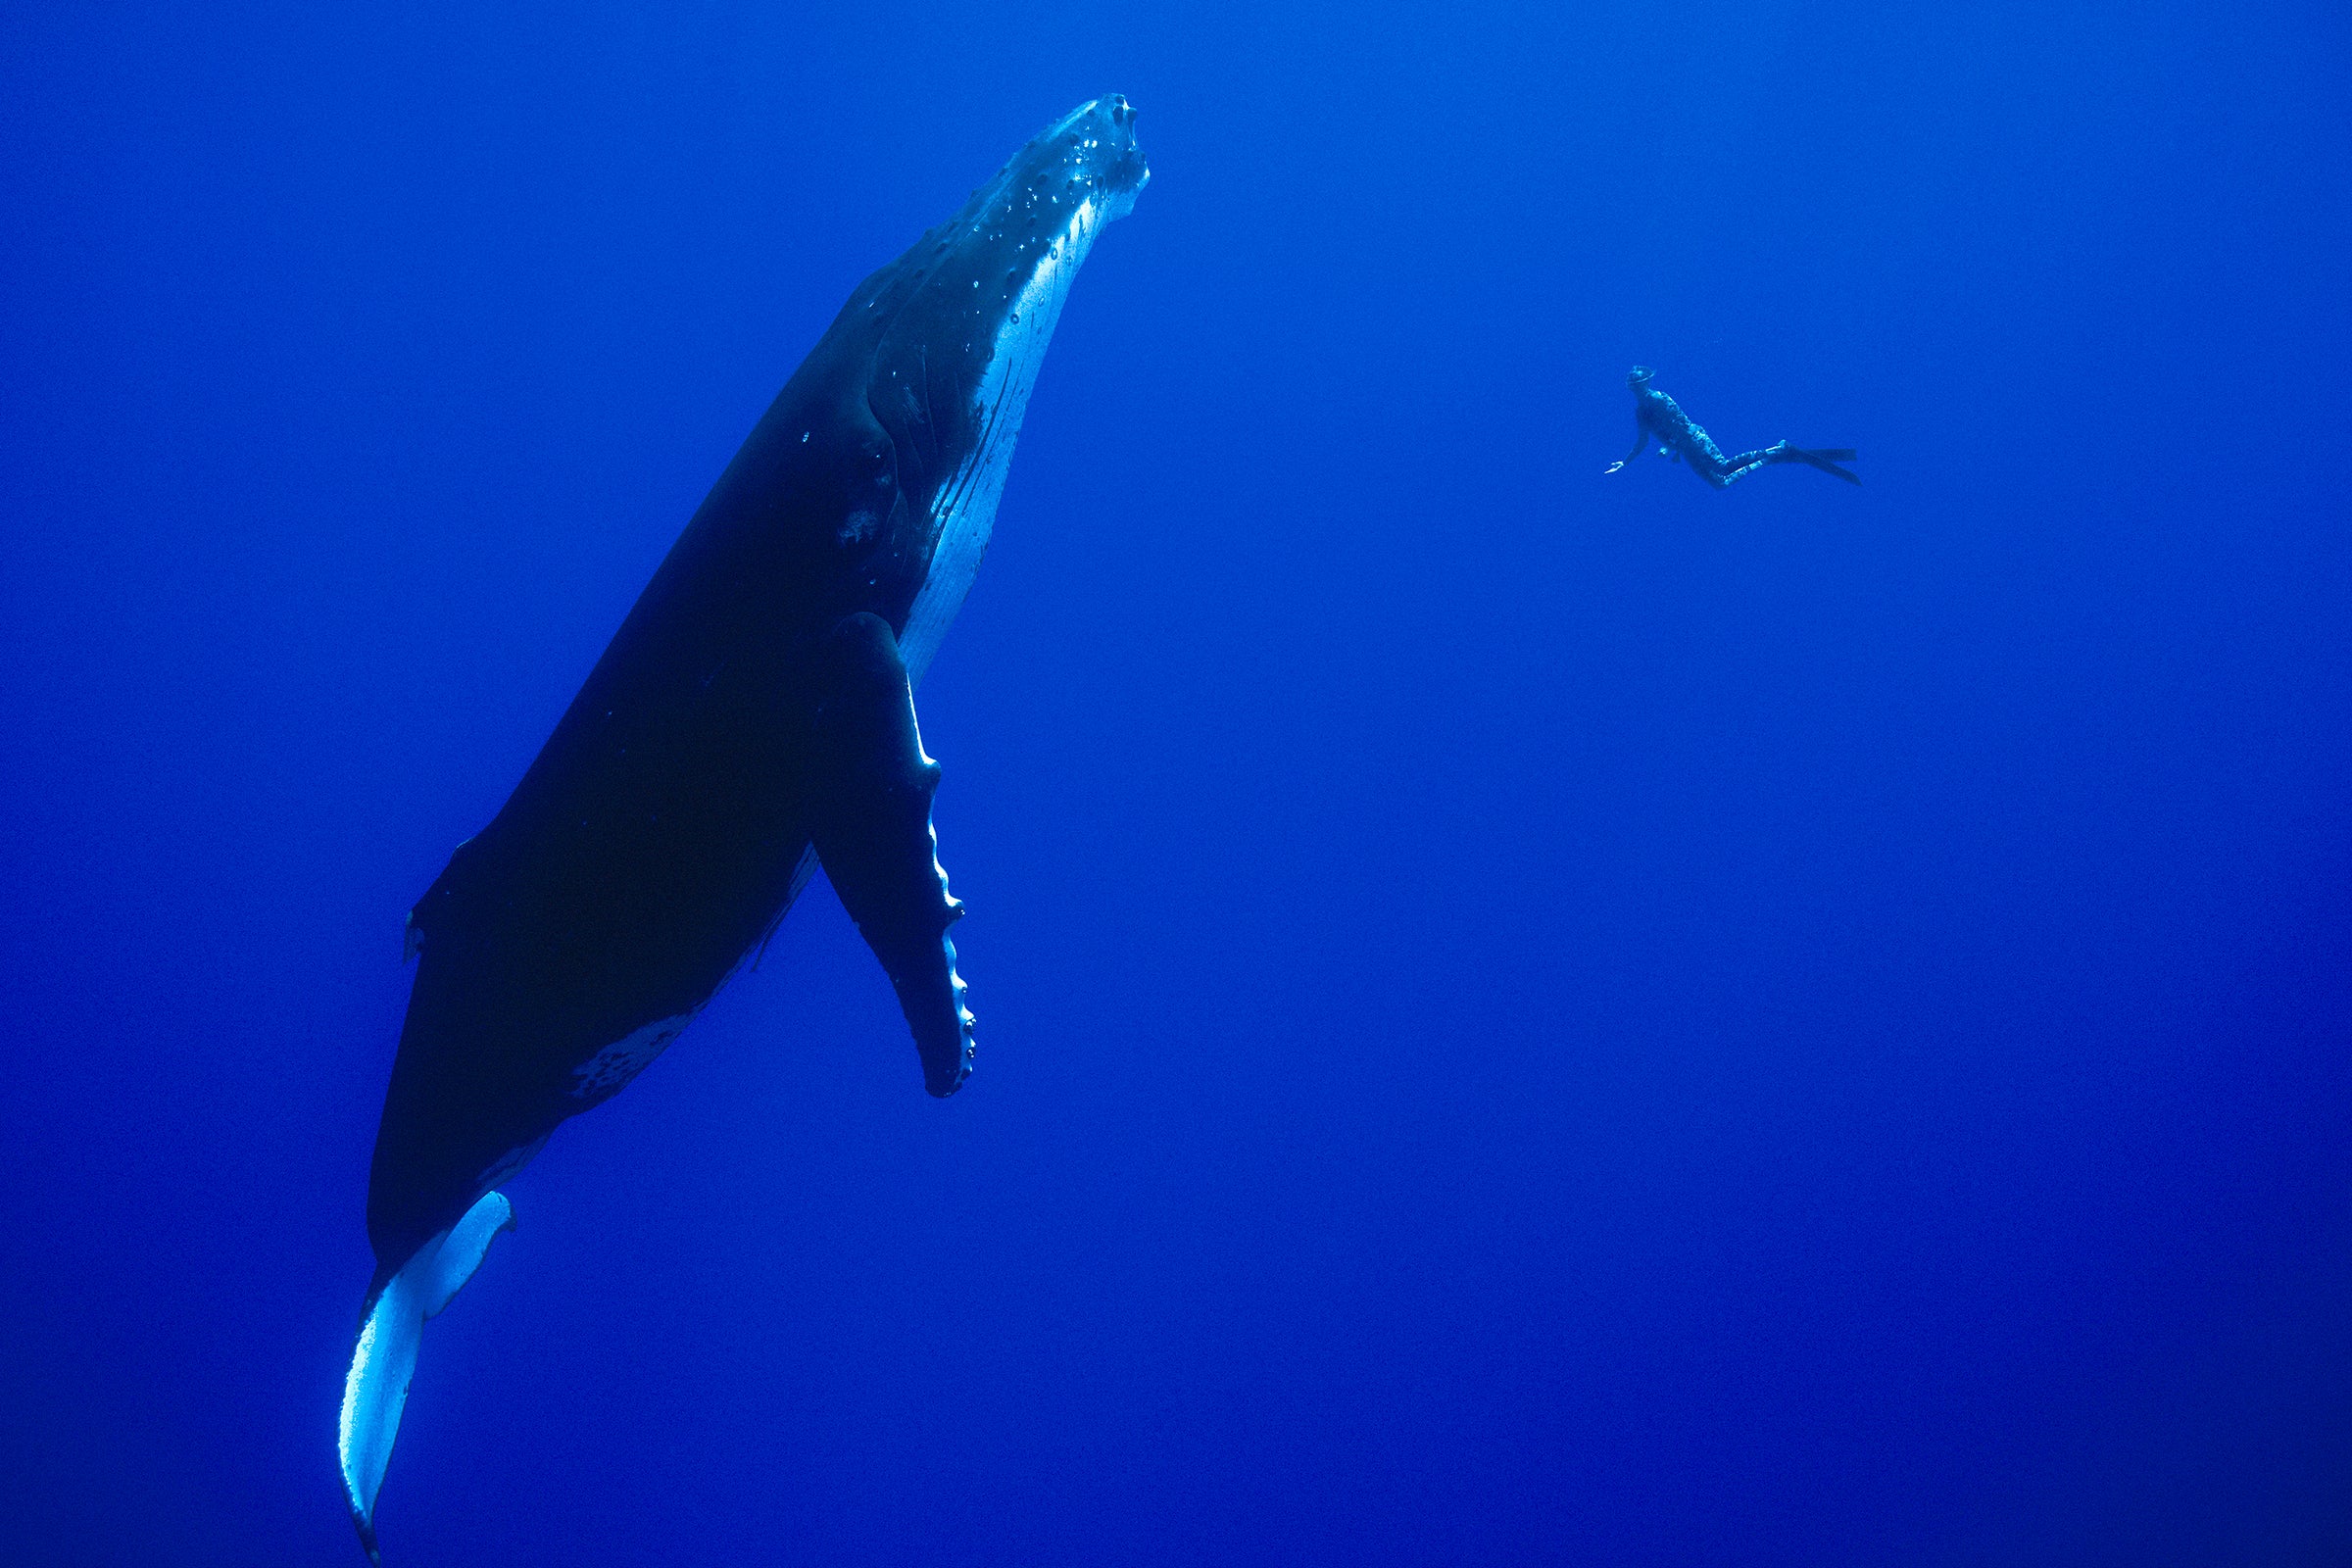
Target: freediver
[(1678, 438)]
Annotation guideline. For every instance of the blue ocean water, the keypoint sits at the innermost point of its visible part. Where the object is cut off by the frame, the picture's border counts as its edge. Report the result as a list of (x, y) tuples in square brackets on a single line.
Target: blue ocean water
[(1524, 1016)]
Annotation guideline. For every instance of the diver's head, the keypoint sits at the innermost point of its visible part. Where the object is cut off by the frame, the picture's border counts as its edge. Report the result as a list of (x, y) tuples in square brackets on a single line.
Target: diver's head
[(1641, 378)]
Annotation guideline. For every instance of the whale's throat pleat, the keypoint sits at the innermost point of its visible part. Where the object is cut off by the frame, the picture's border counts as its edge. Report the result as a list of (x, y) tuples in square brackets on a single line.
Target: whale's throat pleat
[(965, 508)]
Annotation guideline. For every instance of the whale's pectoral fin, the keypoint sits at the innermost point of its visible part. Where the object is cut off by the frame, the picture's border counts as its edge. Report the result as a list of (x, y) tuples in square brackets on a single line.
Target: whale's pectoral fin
[(376, 1388), (872, 821)]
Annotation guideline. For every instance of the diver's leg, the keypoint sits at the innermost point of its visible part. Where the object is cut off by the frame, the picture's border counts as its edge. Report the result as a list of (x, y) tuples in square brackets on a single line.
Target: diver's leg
[(1710, 468), (1706, 458), (1734, 470)]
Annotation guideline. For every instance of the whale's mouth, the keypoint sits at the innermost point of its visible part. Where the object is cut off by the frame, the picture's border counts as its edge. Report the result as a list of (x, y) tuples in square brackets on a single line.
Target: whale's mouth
[(1102, 141), (962, 310), (987, 254), (956, 368)]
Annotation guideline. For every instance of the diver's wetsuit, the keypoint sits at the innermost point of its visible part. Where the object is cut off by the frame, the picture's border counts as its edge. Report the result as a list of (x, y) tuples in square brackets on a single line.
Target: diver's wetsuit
[(1657, 416)]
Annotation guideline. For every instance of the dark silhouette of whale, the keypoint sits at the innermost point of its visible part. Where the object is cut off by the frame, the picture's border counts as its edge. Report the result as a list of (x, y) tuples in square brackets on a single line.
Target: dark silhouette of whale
[(753, 719)]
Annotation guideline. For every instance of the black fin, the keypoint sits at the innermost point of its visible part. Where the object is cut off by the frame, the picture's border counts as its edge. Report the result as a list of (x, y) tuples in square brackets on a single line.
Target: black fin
[(1827, 459), (874, 836)]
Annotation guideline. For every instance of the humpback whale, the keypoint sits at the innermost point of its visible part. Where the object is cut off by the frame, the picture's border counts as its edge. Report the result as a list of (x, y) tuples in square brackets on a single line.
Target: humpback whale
[(752, 720)]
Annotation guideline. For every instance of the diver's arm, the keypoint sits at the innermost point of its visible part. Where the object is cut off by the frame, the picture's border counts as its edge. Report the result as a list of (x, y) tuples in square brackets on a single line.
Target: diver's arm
[(1640, 444)]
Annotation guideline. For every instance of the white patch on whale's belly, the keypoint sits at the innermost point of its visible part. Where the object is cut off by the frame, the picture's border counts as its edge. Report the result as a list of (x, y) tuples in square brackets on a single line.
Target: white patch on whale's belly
[(965, 508), (609, 1070)]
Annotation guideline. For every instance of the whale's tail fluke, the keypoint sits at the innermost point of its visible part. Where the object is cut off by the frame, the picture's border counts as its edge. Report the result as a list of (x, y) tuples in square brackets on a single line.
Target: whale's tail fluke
[(376, 1388)]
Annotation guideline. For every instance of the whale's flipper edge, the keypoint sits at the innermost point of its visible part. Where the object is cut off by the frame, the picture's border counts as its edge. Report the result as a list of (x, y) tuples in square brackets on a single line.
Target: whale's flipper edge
[(376, 1388), (874, 838)]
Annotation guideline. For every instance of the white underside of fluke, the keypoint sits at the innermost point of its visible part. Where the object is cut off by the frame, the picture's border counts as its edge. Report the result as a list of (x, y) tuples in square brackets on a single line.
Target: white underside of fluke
[(376, 1388)]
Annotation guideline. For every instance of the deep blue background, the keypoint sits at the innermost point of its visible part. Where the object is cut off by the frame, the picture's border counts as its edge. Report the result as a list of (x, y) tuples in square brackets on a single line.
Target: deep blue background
[(1524, 1016)]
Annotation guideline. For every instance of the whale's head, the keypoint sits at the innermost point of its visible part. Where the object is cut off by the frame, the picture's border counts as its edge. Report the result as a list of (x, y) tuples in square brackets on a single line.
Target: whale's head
[(964, 318)]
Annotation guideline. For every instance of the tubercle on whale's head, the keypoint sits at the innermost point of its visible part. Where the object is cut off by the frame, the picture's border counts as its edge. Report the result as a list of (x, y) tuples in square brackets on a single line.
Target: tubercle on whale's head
[(967, 311), (1099, 145)]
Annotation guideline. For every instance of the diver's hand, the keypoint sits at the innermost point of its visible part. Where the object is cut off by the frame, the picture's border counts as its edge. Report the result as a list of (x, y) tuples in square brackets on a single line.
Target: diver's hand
[(1612, 468)]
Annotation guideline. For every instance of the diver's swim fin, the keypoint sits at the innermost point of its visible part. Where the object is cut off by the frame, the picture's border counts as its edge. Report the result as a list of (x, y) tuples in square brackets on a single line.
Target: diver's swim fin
[(1827, 459)]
